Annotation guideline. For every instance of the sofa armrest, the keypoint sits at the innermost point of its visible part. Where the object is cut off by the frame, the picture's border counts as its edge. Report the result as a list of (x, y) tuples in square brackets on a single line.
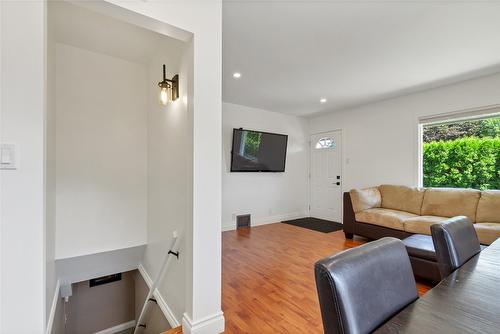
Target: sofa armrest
[(348, 217)]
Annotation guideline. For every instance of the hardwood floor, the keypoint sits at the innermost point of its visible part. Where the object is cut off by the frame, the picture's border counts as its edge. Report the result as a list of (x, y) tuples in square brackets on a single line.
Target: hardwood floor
[(176, 330), (268, 279)]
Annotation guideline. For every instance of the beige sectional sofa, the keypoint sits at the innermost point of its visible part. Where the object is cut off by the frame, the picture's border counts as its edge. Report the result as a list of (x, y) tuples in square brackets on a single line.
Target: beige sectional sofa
[(413, 210)]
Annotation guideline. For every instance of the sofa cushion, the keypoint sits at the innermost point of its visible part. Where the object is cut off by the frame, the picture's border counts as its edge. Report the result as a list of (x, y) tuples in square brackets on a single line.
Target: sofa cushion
[(384, 217), (363, 199), (450, 202), (487, 232), (488, 208), (402, 198), (422, 224)]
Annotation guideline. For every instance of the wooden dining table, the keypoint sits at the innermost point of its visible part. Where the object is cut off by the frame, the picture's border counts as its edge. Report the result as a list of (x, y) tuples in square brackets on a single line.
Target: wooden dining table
[(467, 301)]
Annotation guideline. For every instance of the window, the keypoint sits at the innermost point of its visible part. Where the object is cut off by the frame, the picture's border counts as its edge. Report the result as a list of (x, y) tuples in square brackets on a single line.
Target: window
[(461, 153), (250, 144), (326, 142)]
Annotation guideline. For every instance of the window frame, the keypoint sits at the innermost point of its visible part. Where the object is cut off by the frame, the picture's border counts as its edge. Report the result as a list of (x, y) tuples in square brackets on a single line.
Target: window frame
[(450, 117)]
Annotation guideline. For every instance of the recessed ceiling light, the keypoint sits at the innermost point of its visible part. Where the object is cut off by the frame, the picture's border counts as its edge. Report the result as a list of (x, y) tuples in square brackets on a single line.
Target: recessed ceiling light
[(322, 100), (236, 75)]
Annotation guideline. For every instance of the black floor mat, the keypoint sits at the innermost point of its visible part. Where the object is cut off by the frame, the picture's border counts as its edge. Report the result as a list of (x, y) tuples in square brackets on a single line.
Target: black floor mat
[(316, 224)]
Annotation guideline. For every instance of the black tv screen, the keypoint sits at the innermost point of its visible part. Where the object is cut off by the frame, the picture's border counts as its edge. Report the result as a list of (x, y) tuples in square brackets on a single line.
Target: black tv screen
[(256, 151)]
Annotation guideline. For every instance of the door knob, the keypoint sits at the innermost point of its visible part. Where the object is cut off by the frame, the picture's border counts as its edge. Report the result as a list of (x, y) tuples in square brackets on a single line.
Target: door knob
[(338, 183)]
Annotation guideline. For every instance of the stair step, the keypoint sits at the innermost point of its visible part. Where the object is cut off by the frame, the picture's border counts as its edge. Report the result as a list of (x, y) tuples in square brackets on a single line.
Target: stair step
[(176, 330)]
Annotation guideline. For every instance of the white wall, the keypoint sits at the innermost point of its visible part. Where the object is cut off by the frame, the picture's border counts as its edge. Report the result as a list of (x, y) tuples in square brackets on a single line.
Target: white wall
[(203, 245), (22, 213), (22, 202), (50, 170), (268, 197), (380, 143), (168, 177), (101, 157)]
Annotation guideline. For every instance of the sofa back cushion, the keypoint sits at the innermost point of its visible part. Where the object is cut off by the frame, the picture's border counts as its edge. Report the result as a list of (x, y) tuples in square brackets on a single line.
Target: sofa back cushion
[(402, 198), (488, 208), (451, 202), (363, 199)]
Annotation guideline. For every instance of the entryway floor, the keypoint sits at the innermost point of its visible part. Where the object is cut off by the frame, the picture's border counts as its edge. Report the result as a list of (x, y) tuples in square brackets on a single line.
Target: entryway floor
[(315, 224)]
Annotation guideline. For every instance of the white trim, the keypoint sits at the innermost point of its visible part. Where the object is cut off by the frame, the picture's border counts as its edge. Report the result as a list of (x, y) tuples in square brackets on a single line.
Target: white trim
[(166, 310), (145, 275), (464, 114), (208, 325), (308, 179), (117, 328), (228, 227), (53, 307), (419, 154), (268, 220)]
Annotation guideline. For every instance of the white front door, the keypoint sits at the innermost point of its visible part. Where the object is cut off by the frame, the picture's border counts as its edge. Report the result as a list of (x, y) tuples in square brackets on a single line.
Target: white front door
[(326, 177)]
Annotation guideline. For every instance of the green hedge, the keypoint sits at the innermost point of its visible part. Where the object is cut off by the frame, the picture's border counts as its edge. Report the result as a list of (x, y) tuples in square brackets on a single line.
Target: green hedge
[(462, 163)]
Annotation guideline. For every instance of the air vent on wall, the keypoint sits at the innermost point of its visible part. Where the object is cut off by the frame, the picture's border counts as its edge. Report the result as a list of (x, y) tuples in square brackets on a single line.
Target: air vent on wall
[(105, 280), (242, 221)]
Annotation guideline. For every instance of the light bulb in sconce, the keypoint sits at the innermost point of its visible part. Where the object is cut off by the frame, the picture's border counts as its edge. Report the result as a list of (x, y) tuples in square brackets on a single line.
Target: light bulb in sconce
[(169, 89), (164, 96)]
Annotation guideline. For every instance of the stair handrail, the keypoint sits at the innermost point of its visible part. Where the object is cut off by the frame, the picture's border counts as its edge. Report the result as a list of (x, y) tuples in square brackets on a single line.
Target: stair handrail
[(173, 250)]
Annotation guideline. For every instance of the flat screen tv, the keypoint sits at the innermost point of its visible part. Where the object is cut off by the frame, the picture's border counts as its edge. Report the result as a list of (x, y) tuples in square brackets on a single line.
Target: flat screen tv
[(256, 151)]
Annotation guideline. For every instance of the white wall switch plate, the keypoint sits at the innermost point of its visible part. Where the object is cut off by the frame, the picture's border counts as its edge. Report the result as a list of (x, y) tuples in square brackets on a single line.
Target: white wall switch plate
[(8, 156)]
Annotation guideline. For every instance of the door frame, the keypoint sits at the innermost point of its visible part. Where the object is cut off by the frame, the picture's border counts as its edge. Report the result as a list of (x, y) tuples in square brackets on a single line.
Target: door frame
[(342, 147)]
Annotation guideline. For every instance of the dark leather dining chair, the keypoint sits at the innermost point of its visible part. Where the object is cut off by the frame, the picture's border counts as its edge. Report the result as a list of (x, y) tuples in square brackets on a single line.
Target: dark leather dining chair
[(455, 242), (361, 288)]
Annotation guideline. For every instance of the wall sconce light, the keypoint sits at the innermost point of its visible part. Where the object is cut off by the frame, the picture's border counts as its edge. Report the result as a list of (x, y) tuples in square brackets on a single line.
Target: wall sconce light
[(169, 89)]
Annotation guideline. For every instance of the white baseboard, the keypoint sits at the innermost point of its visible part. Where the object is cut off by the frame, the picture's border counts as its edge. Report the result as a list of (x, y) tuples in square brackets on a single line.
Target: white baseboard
[(267, 220), (209, 325), (52, 314), (117, 328), (167, 311)]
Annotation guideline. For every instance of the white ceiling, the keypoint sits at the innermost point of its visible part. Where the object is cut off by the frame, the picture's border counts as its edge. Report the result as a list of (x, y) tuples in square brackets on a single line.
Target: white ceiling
[(292, 53), (83, 28)]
